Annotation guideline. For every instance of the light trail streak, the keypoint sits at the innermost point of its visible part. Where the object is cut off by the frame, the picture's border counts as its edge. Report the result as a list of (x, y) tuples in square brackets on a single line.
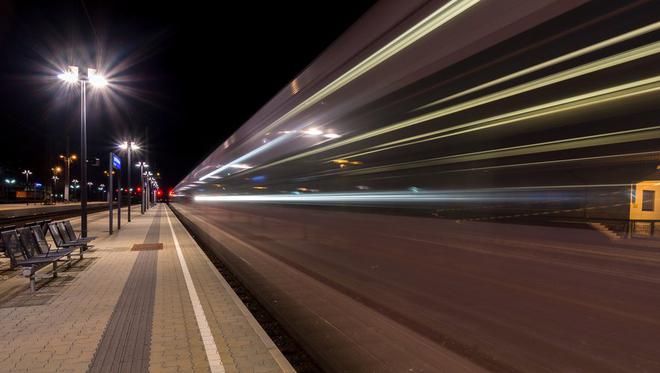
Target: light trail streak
[(655, 153), (619, 137), (569, 56), (483, 194), (236, 163), (598, 97), (436, 19), (570, 103), (553, 162)]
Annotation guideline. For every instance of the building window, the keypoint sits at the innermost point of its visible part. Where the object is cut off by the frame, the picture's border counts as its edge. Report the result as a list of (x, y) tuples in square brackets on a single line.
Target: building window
[(648, 200)]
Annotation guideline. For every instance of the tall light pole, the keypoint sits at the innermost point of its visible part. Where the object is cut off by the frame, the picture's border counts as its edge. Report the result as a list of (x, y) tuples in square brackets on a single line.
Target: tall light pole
[(101, 189), (96, 80), (56, 170), (150, 185), (129, 146), (55, 178), (89, 185), (27, 174), (76, 185), (67, 174), (142, 166)]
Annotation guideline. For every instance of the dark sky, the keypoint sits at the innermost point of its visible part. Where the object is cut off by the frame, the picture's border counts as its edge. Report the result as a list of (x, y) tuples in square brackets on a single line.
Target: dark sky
[(185, 76)]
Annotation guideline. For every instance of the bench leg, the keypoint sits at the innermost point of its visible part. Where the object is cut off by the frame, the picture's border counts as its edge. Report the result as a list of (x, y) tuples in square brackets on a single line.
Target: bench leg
[(55, 269), (68, 263), (33, 281)]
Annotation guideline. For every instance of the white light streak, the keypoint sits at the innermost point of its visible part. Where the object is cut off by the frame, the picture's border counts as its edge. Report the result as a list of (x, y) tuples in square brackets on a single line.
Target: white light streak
[(436, 19), (534, 193), (236, 163)]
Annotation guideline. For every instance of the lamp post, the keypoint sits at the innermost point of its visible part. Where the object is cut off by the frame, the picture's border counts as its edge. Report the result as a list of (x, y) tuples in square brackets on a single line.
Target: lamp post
[(56, 170), (9, 182), (150, 185), (96, 80), (67, 173), (76, 185), (55, 178), (129, 146), (142, 166), (89, 185), (27, 174)]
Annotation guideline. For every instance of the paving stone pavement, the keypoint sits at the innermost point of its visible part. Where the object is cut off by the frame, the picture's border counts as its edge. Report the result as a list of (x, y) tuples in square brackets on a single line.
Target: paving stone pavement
[(64, 333)]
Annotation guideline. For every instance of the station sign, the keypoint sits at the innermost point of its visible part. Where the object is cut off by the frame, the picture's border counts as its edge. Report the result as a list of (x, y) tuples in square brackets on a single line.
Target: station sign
[(116, 162)]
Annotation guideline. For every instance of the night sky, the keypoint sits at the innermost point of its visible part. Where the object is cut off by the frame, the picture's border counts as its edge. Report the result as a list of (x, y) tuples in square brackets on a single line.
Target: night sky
[(184, 77)]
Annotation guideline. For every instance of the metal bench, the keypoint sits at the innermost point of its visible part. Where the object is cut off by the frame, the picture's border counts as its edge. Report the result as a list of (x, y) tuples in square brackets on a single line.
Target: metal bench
[(2, 229), (40, 237), (60, 242), (72, 233), (27, 258), (70, 236)]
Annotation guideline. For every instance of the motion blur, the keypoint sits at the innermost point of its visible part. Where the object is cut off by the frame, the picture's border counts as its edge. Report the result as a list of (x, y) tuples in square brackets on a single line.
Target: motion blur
[(454, 185)]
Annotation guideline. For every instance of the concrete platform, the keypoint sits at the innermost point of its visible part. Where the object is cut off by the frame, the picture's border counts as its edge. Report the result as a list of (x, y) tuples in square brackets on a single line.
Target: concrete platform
[(144, 299)]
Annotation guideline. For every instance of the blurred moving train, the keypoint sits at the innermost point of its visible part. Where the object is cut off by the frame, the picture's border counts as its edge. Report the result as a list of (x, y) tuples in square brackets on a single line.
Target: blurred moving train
[(433, 192)]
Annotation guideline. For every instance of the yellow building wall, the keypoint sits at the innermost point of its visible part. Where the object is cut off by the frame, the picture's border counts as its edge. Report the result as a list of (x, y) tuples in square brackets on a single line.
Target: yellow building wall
[(636, 212)]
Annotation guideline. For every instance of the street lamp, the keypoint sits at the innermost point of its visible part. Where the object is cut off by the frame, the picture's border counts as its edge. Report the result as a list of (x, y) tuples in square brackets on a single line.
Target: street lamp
[(129, 146), (27, 174), (89, 186), (55, 178), (96, 80), (142, 166), (76, 185), (67, 175), (150, 179)]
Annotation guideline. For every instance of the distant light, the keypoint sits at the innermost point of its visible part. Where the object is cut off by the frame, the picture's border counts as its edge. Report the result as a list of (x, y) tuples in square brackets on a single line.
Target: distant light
[(331, 135), (123, 145)]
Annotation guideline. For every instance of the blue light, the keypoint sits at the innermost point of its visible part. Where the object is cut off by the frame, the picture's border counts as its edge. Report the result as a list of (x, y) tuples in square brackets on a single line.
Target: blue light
[(259, 179)]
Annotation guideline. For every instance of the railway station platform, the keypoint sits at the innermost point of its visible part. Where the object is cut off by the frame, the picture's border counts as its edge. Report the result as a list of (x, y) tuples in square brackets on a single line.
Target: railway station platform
[(10, 207), (13, 211), (143, 299)]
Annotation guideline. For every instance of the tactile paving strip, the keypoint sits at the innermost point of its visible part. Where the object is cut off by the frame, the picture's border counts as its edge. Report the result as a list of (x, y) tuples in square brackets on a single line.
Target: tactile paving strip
[(147, 246)]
